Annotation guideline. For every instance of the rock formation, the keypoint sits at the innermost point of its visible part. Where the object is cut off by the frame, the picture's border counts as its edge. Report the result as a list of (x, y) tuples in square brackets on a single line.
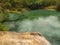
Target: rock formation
[(28, 38)]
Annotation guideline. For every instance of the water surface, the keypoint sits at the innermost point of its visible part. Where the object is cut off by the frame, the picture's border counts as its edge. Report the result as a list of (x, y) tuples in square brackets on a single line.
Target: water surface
[(43, 21)]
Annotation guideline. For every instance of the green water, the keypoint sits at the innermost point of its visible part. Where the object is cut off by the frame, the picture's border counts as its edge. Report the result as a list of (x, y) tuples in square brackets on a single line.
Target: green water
[(43, 21)]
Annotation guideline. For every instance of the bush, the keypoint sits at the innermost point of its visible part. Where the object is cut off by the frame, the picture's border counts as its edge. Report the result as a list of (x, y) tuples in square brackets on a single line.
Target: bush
[(33, 4)]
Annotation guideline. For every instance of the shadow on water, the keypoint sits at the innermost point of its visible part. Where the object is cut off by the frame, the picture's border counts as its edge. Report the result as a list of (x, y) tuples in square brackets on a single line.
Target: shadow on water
[(43, 21)]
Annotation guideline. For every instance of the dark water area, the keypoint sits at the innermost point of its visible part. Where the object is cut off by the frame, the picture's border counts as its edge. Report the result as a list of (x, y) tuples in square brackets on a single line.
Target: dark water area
[(43, 21)]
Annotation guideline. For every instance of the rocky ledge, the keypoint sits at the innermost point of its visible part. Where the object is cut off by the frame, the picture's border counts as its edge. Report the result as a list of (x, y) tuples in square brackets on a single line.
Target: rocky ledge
[(27, 38)]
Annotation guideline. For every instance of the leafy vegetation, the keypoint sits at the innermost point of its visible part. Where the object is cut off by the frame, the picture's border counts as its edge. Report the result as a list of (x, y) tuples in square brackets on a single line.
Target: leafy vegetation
[(18, 5)]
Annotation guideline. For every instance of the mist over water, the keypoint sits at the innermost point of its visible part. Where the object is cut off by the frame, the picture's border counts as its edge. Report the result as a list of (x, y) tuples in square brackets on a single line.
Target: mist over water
[(49, 27)]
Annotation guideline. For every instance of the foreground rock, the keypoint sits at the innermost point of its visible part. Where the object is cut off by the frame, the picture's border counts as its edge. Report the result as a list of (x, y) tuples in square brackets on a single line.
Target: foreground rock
[(13, 38)]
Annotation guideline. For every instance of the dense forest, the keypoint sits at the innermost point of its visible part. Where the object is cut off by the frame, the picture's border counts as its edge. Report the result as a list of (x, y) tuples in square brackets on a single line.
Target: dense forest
[(20, 5)]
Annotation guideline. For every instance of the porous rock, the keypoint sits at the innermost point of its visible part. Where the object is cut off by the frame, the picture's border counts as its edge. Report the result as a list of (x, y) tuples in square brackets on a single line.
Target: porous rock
[(27, 38)]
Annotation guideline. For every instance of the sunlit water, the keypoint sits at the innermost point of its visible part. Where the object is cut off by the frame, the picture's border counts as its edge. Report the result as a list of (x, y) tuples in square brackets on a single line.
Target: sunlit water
[(48, 26)]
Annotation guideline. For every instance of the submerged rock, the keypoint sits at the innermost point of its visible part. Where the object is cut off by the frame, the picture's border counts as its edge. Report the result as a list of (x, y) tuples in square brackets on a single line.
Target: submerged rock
[(28, 38)]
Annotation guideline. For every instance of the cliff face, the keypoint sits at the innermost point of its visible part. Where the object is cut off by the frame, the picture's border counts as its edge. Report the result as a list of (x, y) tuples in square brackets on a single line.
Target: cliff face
[(28, 38)]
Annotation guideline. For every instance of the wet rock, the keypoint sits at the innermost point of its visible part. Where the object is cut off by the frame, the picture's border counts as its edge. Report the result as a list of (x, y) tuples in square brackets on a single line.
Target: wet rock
[(27, 38)]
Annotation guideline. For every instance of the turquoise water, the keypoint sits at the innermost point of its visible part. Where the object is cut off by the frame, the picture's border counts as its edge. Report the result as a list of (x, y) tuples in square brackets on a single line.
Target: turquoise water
[(43, 21)]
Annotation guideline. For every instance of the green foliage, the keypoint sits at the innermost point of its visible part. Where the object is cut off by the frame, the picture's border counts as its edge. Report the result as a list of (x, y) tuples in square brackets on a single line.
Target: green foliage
[(3, 27), (19, 4), (3, 18)]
